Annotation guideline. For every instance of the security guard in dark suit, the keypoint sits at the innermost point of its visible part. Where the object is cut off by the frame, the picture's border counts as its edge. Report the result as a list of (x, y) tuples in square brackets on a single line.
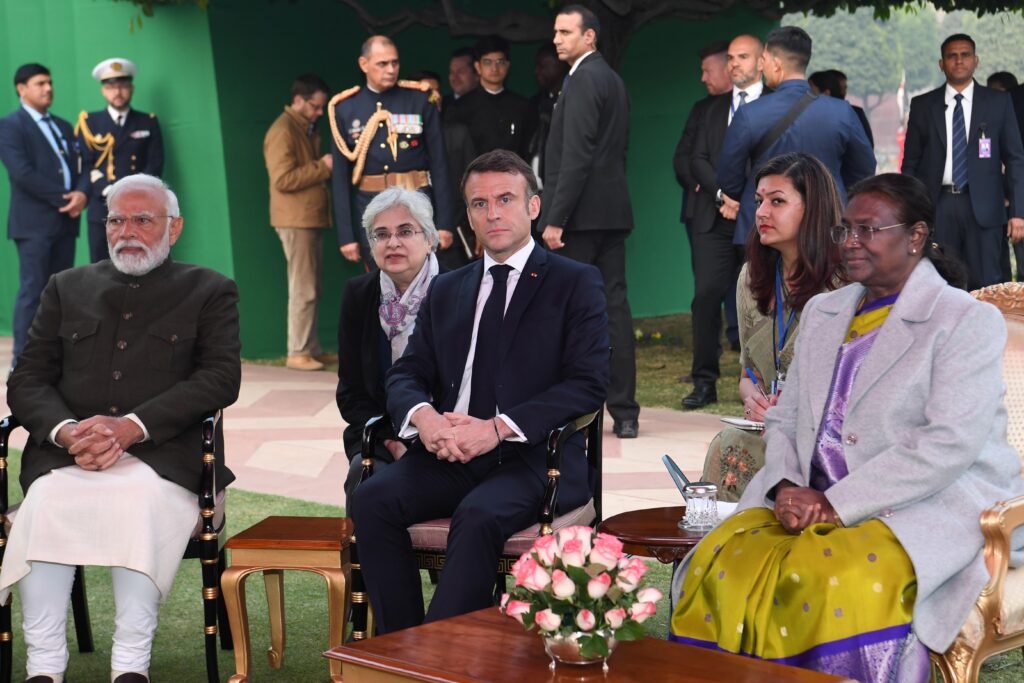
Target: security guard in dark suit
[(115, 142), (386, 134)]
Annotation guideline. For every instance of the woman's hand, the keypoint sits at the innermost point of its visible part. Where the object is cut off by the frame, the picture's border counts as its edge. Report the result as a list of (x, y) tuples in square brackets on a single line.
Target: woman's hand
[(798, 507), (755, 405)]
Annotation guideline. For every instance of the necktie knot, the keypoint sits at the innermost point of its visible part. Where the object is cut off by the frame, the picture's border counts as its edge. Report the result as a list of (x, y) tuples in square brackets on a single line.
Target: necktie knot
[(958, 97), (743, 96), (499, 272)]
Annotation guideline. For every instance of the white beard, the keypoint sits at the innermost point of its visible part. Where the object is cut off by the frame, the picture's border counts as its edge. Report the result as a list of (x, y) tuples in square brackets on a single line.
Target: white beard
[(138, 265)]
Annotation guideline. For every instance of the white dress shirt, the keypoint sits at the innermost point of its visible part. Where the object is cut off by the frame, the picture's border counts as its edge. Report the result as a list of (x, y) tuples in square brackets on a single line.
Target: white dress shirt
[(753, 91), (517, 261), (968, 93), (48, 134), (114, 114)]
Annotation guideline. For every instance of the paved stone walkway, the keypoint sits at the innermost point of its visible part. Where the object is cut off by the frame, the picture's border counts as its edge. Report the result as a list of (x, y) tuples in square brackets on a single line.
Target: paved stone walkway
[(283, 436)]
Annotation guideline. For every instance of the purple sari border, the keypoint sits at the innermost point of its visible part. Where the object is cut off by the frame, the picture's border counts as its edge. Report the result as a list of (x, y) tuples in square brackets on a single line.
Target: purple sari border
[(896, 634)]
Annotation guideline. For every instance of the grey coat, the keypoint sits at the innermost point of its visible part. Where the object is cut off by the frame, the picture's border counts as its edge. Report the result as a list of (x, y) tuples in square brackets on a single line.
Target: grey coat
[(924, 434)]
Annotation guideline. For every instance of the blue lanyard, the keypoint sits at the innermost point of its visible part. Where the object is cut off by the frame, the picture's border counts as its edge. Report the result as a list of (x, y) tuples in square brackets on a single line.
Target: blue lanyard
[(782, 326)]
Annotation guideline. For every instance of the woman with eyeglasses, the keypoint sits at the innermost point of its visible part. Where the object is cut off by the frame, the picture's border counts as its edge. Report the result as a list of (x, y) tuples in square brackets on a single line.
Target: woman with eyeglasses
[(378, 314), (858, 547), (790, 258)]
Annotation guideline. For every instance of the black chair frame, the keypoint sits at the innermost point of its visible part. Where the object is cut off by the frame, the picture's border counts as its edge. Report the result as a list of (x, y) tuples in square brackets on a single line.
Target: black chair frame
[(207, 547)]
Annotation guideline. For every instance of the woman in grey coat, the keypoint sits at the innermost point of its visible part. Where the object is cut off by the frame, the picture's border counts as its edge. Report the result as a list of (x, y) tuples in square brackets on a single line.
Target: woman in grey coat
[(858, 547)]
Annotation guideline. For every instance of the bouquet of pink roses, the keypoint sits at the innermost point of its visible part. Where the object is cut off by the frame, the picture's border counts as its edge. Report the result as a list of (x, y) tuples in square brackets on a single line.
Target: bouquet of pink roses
[(580, 582)]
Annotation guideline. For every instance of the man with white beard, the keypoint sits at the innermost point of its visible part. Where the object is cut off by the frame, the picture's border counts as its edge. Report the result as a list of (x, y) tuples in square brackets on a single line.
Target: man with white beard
[(123, 359)]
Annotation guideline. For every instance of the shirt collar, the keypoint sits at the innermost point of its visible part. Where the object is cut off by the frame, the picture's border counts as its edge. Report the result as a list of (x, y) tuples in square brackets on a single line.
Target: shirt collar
[(577, 62), (36, 116), (115, 113), (968, 93), (753, 90), (516, 260), (493, 92)]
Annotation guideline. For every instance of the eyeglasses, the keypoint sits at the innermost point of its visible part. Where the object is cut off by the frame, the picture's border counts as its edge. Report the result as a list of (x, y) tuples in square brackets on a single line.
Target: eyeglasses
[(494, 62), (403, 235), (860, 233), (141, 221)]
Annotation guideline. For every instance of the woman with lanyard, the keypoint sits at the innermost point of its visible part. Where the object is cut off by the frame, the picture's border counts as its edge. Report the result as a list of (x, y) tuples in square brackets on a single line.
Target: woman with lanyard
[(789, 258)]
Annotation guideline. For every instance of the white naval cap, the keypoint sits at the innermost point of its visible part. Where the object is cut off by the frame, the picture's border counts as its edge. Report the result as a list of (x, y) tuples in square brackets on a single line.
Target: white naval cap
[(114, 68)]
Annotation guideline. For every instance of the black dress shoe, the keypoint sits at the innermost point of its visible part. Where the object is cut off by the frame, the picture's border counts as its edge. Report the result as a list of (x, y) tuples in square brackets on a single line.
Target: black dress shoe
[(40, 679), (131, 677), (702, 395), (626, 429)]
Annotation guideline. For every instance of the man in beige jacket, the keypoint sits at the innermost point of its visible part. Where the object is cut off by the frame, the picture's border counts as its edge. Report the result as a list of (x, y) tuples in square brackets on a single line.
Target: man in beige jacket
[(300, 210)]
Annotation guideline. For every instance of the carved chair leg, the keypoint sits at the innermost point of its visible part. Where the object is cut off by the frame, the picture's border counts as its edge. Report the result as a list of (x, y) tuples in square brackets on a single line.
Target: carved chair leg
[(959, 664), (211, 599), (273, 579), (80, 611), (223, 628), (6, 641), (360, 609)]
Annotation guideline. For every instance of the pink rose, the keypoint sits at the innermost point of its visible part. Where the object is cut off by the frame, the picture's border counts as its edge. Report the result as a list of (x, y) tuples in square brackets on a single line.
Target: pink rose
[(641, 610), (516, 609), (579, 533), (599, 585), (531, 575), (547, 620), (546, 549), (561, 585), (504, 599), (649, 594), (615, 617), (585, 620), (573, 553), (607, 550), (628, 579)]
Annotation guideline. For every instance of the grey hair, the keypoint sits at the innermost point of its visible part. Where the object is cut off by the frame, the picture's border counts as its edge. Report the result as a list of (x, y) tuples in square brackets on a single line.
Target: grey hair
[(142, 181), (368, 44), (416, 202)]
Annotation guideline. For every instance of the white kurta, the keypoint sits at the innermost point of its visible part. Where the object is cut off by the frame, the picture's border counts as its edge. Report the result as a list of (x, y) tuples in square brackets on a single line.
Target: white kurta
[(124, 516)]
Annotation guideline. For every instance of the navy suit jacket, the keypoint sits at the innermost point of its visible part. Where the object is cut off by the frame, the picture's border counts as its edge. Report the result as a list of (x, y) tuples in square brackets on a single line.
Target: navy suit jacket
[(37, 177), (924, 153), (827, 128), (138, 148), (554, 358)]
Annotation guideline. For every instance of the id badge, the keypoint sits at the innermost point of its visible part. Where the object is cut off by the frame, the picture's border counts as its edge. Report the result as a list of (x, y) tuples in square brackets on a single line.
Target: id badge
[(984, 148)]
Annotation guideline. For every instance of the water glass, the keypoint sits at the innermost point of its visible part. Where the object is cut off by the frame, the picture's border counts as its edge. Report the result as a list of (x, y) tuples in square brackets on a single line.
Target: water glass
[(701, 506)]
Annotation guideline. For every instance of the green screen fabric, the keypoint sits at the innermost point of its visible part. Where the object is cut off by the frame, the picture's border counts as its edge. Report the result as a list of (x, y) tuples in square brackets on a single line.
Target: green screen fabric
[(218, 79)]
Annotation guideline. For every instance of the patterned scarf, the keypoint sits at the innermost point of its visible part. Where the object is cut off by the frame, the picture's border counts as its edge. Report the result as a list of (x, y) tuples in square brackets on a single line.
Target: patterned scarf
[(397, 312)]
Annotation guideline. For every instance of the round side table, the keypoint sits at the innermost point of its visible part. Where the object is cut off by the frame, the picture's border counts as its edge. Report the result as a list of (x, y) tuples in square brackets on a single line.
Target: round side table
[(653, 533)]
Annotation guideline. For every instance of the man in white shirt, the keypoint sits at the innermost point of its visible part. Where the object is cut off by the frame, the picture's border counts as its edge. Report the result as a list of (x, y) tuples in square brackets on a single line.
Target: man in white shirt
[(504, 350), (960, 138), (716, 259)]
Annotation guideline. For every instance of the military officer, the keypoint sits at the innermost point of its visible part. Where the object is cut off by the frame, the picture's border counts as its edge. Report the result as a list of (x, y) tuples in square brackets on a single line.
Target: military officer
[(386, 134), (115, 142)]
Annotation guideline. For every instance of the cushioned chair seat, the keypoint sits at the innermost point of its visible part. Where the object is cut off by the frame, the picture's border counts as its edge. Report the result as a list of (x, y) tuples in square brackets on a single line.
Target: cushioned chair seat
[(1011, 610), (433, 535)]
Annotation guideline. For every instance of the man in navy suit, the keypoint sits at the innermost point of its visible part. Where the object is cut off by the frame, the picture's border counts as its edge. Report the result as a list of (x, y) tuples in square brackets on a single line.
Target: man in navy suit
[(115, 142), (504, 350), (827, 128), (47, 191), (960, 136)]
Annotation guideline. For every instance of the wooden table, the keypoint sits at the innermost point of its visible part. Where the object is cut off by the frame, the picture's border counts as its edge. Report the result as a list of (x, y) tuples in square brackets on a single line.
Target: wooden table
[(489, 647), (653, 532), (312, 544)]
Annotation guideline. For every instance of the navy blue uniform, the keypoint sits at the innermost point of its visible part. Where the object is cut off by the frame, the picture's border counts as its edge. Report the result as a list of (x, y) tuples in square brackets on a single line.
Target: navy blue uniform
[(138, 148), (420, 148)]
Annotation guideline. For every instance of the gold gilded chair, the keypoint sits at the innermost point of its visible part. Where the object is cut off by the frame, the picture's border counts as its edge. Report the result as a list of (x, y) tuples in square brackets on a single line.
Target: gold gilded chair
[(996, 623), (430, 539)]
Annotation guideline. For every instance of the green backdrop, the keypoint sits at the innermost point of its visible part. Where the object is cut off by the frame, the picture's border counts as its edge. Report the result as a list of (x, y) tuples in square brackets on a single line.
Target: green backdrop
[(217, 79)]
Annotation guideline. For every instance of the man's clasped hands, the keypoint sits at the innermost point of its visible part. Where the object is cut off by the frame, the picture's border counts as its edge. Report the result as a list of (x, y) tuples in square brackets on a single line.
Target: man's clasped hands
[(98, 442), (457, 437)]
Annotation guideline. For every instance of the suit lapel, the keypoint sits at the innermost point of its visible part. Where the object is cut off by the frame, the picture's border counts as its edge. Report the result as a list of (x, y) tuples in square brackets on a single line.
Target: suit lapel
[(529, 282), (938, 111), (828, 337)]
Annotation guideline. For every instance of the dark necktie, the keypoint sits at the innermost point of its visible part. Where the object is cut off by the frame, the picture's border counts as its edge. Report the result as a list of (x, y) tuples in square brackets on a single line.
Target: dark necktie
[(743, 100), (959, 143), (483, 399), (120, 120), (57, 137)]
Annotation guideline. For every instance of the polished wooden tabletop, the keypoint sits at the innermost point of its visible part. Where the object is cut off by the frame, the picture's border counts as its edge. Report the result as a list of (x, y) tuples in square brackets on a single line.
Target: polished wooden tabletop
[(488, 647), (295, 533), (653, 532)]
